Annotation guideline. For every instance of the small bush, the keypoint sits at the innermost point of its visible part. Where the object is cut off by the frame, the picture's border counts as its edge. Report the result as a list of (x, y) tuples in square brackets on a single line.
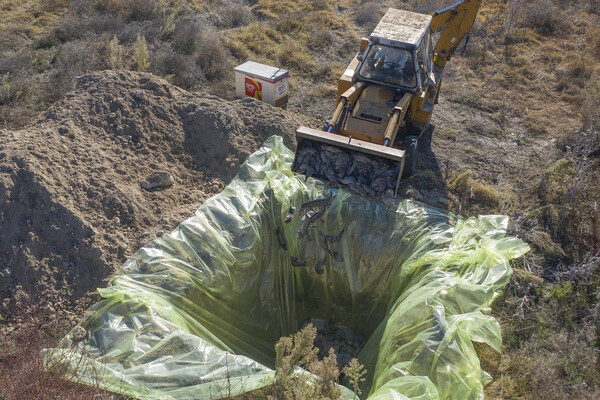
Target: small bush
[(168, 26), (293, 56), (544, 18), (115, 51), (211, 55), (469, 188), (232, 14), (259, 38), (140, 54), (181, 69), (24, 372), (298, 351), (368, 14), (556, 181), (291, 24), (131, 10), (319, 4), (319, 38), (73, 59), (186, 35)]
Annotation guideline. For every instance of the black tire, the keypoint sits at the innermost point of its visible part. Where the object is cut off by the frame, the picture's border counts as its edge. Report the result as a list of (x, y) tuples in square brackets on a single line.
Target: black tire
[(410, 151)]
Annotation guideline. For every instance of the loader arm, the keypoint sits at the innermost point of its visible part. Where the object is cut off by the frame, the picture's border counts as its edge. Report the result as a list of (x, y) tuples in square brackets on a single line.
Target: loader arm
[(458, 20)]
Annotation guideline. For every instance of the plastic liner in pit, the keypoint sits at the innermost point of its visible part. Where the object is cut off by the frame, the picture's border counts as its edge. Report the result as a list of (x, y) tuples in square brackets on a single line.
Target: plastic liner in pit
[(195, 314)]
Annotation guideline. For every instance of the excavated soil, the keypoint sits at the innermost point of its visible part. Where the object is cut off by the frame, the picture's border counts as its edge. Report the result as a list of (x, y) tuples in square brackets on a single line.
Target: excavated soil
[(72, 203)]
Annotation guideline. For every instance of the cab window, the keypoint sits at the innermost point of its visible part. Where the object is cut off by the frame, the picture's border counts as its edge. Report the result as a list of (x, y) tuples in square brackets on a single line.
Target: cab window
[(428, 53), (422, 66), (389, 65)]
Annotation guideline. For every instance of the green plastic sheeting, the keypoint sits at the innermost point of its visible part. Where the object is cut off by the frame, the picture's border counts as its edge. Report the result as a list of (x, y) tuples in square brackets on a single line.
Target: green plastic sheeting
[(195, 314)]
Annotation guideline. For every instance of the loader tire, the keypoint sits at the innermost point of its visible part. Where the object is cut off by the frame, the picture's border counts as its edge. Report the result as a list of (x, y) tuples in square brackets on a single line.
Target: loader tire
[(410, 151)]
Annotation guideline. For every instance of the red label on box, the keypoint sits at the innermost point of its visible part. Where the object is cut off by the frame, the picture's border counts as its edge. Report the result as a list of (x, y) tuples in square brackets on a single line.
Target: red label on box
[(253, 88)]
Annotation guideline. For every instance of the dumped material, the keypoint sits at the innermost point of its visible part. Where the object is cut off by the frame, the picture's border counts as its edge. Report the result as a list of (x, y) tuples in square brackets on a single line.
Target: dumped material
[(366, 175), (196, 313)]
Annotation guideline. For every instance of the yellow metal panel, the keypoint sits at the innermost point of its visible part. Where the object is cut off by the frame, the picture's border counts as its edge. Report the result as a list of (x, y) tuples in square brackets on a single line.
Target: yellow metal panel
[(345, 81), (349, 143), (363, 44), (417, 114), (458, 20)]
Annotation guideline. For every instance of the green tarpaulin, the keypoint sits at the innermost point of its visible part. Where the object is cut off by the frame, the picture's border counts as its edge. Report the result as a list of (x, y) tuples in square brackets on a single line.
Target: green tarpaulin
[(195, 314)]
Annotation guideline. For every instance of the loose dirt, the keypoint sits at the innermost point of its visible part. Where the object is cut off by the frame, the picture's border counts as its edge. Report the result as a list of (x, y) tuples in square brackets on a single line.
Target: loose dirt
[(72, 203)]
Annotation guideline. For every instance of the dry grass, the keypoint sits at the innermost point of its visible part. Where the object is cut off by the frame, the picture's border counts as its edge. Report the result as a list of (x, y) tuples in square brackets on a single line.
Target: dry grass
[(469, 189), (24, 374)]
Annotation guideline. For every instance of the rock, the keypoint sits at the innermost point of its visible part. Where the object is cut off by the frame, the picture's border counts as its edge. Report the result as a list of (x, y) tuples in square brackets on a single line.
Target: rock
[(443, 200), (215, 188), (344, 358), (6, 272), (349, 336), (345, 342), (79, 334), (158, 181), (414, 194), (67, 128), (160, 233)]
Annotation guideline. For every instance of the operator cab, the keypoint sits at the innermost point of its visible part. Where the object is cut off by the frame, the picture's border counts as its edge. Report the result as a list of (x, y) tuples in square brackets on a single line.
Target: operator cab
[(399, 53)]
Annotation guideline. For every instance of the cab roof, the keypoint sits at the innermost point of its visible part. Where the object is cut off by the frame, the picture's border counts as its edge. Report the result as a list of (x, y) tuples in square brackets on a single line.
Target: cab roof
[(401, 28)]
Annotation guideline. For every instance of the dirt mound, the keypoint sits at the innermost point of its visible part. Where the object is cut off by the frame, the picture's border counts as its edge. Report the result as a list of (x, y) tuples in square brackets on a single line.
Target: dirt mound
[(73, 207)]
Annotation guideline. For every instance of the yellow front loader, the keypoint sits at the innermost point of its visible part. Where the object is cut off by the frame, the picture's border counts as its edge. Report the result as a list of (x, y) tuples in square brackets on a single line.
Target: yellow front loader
[(384, 102)]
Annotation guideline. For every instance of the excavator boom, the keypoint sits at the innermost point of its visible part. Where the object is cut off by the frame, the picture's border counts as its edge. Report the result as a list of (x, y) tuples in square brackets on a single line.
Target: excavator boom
[(458, 20)]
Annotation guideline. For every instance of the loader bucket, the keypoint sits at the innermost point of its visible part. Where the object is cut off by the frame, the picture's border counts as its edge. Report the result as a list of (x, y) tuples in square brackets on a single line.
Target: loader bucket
[(369, 169)]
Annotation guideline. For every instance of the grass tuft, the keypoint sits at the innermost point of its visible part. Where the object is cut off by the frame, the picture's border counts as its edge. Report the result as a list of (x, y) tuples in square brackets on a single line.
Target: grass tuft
[(468, 188)]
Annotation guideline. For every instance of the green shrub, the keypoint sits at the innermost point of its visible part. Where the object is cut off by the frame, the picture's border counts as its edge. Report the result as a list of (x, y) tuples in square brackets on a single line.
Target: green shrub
[(140, 54), (115, 53)]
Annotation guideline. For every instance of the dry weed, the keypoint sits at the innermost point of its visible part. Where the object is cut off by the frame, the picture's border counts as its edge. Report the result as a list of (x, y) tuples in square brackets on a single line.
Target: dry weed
[(25, 373), (298, 351)]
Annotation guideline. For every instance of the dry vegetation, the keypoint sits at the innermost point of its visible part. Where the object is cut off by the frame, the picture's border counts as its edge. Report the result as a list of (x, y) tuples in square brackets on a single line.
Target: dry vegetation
[(531, 69)]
